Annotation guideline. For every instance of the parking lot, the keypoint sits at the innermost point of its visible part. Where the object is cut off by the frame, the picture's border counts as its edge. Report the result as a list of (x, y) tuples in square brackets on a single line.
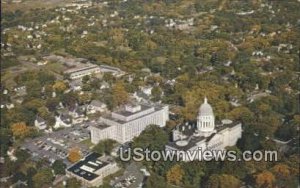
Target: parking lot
[(132, 178), (56, 145)]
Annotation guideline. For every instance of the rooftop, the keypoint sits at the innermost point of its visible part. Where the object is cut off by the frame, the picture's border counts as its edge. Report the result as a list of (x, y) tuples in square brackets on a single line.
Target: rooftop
[(122, 115), (87, 167), (192, 139), (127, 113)]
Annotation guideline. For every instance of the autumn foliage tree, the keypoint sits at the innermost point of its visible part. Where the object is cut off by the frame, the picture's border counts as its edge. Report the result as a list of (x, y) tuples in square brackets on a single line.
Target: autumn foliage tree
[(264, 179), (59, 86), (74, 155), (20, 130), (175, 175), (223, 181), (120, 95), (281, 170)]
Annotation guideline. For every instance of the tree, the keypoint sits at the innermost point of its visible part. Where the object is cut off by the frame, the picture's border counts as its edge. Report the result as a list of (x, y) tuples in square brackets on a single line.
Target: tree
[(5, 140), (155, 181), (59, 86), (104, 146), (29, 175), (74, 155), (59, 167), (175, 175), (153, 138), (241, 113), (85, 98), (193, 173), (69, 99), (73, 183), (19, 176), (33, 89), (281, 170), (20, 130), (109, 78), (264, 179), (43, 178), (45, 77), (120, 95), (52, 103), (85, 79), (223, 181), (156, 93)]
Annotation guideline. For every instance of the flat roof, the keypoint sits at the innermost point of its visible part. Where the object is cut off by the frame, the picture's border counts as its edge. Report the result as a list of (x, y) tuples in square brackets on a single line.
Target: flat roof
[(85, 168), (125, 113), (193, 140), (192, 143), (79, 69), (100, 125)]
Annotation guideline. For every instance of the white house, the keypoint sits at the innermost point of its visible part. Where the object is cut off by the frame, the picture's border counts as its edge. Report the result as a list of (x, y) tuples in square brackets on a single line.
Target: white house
[(40, 123), (62, 120), (96, 106)]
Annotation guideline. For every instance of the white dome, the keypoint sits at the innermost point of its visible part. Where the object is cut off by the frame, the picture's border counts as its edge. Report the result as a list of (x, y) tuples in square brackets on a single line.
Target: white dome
[(205, 109)]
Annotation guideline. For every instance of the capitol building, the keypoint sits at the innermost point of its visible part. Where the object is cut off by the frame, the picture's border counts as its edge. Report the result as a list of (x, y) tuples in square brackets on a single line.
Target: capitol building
[(128, 122), (206, 134)]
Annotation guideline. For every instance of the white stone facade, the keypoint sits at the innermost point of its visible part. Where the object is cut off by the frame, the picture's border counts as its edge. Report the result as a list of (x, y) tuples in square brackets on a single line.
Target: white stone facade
[(123, 127), (204, 135)]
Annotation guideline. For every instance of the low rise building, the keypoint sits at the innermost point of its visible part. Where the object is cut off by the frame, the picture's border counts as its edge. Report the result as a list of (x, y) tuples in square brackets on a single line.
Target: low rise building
[(96, 106), (40, 123), (113, 70), (92, 169), (79, 72)]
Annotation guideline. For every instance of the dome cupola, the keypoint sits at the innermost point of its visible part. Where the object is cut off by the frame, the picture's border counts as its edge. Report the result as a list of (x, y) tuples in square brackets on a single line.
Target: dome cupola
[(206, 119)]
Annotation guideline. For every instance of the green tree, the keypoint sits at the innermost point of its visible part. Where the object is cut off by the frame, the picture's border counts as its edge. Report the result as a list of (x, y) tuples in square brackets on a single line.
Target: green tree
[(59, 167), (153, 137), (104, 146), (43, 178), (156, 93), (73, 183), (155, 181)]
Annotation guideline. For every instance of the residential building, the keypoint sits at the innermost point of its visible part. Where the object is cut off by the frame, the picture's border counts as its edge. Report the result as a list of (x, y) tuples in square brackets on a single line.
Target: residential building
[(96, 106), (40, 123)]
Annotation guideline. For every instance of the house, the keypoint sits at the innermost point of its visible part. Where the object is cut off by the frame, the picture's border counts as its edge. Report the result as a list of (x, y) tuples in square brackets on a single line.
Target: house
[(11, 154), (104, 85), (76, 85), (20, 91), (78, 115), (7, 105), (139, 96), (40, 123), (146, 90), (96, 106), (63, 120)]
